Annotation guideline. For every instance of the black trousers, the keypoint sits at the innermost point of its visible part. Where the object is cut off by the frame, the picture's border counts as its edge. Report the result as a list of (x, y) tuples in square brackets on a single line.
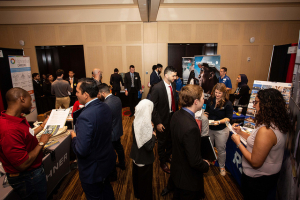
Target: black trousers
[(133, 99), (116, 93), (164, 143), (98, 191), (263, 187), (142, 181), (120, 151)]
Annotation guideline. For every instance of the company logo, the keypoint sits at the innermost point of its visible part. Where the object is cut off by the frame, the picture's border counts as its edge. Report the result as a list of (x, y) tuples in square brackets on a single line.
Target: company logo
[(12, 61)]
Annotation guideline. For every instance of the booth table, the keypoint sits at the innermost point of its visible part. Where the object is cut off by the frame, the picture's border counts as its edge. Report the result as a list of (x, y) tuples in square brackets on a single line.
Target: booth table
[(234, 159), (237, 119), (56, 165)]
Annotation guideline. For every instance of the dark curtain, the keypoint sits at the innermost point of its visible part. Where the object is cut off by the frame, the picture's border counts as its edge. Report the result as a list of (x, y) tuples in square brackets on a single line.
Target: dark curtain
[(177, 51), (5, 76), (52, 58), (280, 63)]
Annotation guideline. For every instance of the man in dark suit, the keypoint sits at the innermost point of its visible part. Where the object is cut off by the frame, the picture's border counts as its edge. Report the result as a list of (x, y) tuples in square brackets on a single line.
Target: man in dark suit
[(115, 80), (155, 75), (115, 106), (163, 97), (187, 164), (38, 91), (73, 81), (132, 86), (91, 142)]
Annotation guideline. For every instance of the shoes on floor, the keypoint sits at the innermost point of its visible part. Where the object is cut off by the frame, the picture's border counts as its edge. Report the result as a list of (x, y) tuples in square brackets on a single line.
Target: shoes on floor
[(165, 168), (222, 171), (165, 192)]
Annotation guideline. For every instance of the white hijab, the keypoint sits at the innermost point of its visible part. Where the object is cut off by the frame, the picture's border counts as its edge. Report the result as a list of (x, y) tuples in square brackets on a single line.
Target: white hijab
[(142, 123)]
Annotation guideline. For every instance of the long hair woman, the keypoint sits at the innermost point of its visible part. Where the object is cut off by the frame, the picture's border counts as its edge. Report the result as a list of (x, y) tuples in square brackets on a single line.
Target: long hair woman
[(262, 158), (219, 109)]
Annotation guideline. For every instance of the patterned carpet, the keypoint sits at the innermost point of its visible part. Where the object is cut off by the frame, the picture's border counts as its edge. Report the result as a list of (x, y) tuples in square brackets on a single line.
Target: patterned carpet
[(215, 185)]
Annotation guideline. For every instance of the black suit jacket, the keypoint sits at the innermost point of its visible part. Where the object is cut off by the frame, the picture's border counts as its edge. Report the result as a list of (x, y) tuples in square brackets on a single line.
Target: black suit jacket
[(137, 81), (115, 106), (187, 164), (115, 80), (154, 79), (75, 82), (93, 146), (38, 89), (161, 111)]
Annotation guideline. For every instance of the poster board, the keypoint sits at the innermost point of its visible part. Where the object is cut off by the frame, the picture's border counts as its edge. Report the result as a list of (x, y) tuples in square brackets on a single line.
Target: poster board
[(284, 88), (208, 77), (187, 66), (20, 70)]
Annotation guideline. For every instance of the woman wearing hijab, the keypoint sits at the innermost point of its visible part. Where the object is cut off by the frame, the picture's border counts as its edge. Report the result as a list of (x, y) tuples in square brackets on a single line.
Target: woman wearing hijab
[(142, 150), (241, 95)]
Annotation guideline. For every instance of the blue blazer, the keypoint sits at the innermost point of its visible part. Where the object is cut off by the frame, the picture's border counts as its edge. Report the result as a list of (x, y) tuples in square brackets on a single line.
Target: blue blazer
[(93, 146), (154, 78), (115, 106)]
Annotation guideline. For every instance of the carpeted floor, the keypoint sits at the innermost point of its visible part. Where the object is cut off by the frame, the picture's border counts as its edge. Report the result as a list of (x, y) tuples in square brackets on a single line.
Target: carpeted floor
[(215, 185)]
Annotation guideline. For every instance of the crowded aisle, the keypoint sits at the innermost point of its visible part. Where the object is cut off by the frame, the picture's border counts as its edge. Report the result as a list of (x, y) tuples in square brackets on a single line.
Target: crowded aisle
[(215, 185)]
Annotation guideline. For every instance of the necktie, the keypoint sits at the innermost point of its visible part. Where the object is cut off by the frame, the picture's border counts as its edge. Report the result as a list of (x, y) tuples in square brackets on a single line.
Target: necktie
[(132, 80), (173, 101)]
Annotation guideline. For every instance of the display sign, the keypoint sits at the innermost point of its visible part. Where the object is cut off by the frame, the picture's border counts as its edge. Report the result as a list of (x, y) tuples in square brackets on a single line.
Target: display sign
[(187, 67), (284, 88), (21, 77), (208, 76)]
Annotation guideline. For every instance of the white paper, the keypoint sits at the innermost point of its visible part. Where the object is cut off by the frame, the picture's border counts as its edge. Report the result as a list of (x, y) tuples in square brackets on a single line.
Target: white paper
[(230, 127), (58, 117), (1, 54)]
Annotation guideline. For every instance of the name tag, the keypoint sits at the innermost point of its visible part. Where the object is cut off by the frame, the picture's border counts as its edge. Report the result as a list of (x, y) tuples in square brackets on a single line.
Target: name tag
[(31, 131), (224, 79), (135, 77)]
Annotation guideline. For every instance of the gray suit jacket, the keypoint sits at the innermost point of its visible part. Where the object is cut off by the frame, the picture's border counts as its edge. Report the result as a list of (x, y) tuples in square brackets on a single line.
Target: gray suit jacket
[(115, 106)]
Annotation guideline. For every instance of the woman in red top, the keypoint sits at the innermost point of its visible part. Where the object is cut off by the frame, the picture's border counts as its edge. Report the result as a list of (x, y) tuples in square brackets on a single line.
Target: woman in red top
[(76, 106)]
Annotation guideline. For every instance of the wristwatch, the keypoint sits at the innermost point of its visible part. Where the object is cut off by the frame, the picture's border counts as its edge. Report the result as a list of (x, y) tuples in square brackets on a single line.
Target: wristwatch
[(41, 143)]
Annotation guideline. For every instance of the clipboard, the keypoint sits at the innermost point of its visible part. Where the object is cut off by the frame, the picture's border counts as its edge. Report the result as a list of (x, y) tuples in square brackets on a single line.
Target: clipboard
[(207, 149)]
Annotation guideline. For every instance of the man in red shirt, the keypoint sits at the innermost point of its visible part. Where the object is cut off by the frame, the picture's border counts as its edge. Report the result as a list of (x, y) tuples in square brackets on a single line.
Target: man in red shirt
[(20, 151)]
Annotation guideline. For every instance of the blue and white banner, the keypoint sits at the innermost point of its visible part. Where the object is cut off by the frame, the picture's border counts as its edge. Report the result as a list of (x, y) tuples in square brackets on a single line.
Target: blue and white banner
[(21, 77)]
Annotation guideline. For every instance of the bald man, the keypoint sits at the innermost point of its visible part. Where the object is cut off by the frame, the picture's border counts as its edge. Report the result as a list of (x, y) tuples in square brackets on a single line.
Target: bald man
[(97, 75), (20, 151)]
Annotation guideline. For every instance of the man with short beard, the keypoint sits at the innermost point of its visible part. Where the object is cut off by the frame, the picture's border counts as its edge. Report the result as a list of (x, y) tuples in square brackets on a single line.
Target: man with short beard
[(20, 151), (115, 106), (163, 97), (91, 142), (155, 75)]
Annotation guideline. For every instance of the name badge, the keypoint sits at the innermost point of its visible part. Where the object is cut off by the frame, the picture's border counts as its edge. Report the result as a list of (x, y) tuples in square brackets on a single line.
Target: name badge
[(135, 77)]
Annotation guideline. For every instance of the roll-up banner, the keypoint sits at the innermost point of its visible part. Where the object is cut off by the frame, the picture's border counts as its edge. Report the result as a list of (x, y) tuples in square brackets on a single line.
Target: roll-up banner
[(21, 77)]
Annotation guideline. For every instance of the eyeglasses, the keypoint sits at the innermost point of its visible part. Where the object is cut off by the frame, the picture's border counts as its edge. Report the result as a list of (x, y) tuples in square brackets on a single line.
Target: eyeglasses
[(255, 102)]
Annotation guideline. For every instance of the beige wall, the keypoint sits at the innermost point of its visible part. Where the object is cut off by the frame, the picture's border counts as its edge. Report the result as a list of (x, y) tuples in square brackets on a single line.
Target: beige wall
[(111, 45)]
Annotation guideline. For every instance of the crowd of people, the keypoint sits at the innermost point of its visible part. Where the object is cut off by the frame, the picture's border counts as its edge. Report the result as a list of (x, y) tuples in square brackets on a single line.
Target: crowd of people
[(170, 115)]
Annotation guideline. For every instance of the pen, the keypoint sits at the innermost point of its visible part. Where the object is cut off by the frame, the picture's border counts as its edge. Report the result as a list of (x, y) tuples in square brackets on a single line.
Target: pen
[(240, 124)]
